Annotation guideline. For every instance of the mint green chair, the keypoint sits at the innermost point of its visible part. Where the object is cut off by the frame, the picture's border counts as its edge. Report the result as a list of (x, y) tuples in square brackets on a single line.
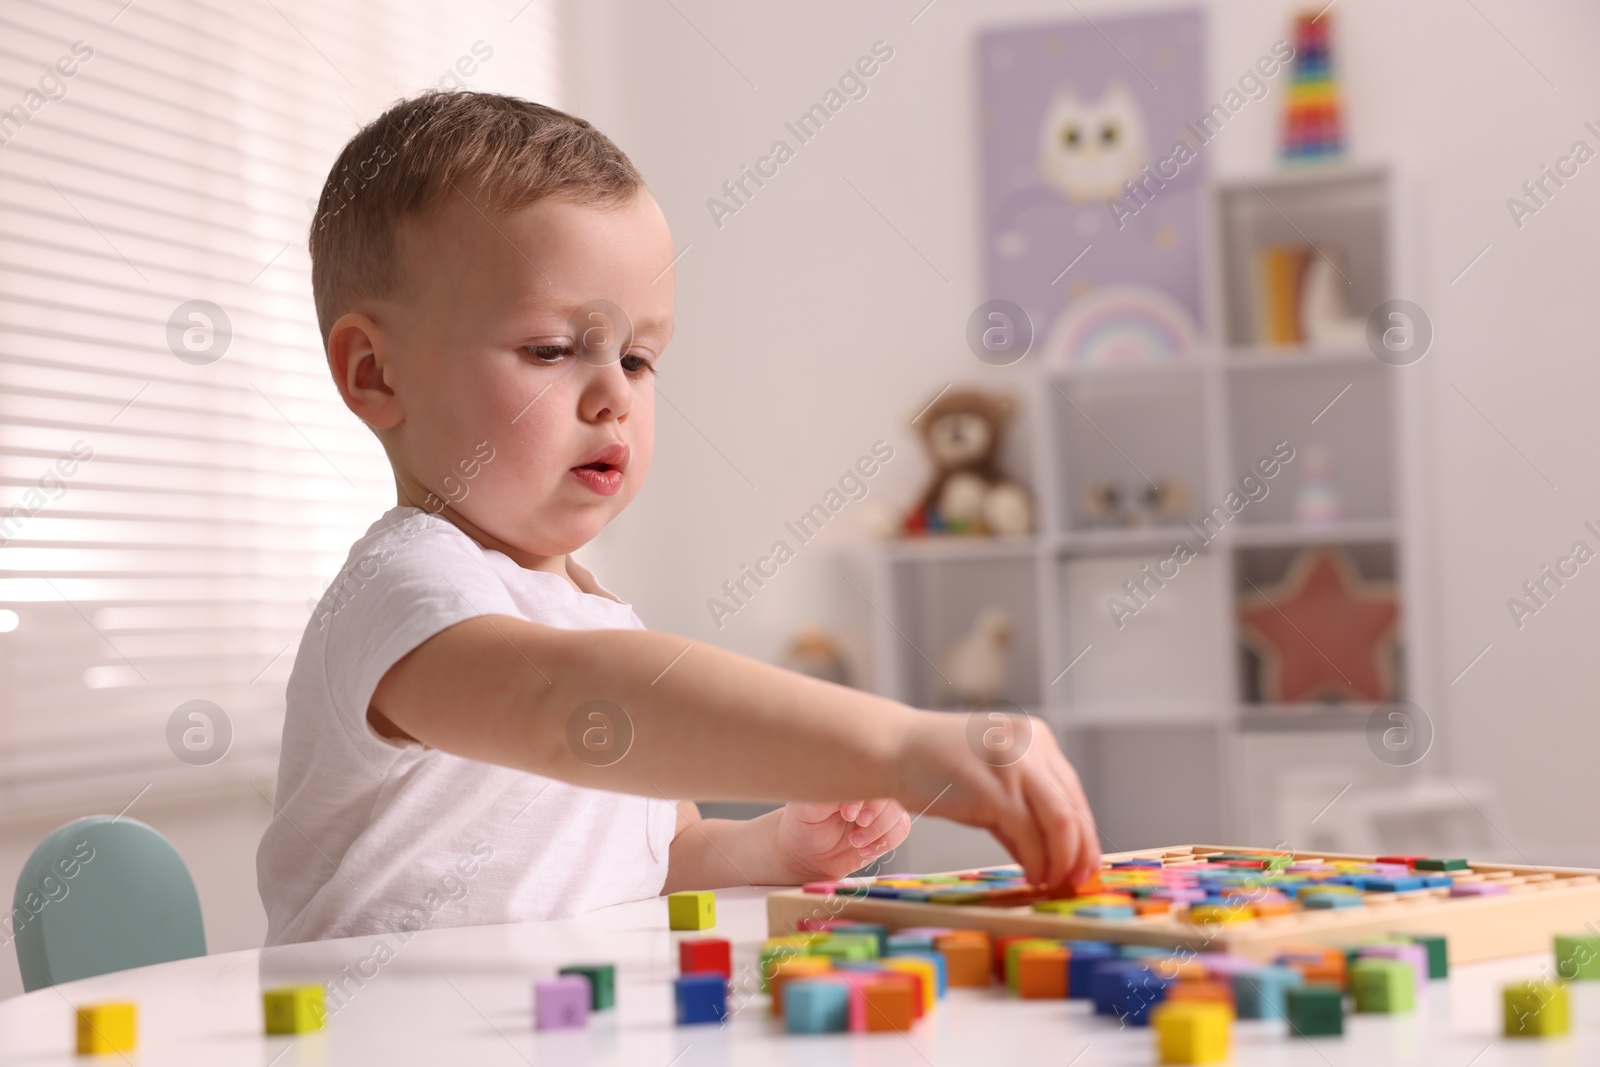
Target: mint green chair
[(102, 894)]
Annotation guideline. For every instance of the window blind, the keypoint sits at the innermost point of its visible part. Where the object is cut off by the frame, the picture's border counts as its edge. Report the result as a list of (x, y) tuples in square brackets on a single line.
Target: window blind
[(178, 477)]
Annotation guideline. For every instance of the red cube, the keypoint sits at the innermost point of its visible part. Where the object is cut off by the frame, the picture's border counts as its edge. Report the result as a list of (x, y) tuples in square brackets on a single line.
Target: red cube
[(705, 955)]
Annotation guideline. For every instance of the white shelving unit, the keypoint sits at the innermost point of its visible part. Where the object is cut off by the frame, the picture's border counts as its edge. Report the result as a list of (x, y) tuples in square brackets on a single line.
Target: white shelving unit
[(1158, 713)]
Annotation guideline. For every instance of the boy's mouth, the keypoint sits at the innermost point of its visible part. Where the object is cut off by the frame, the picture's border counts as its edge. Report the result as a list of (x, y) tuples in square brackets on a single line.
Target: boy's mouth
[(602, 472)]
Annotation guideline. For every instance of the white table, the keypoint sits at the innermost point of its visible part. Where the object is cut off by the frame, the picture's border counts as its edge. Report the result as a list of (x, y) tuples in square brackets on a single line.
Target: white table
[(464, 996)]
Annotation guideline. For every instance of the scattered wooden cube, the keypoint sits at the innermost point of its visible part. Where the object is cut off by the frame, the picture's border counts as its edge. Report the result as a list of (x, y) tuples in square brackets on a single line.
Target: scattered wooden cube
[(1315, 1010), (816, 1005), (1383, 985), (889, 1003), (700, 998), (602, 983), (795, 967), (1577, 957), (297, 1009), (1263, 993), (1536, 1009), (562, 1003), (705, 955), (1042, 973), (692, 910), (108, 1027), (1192, 1031), (925, 971), (966, 959)]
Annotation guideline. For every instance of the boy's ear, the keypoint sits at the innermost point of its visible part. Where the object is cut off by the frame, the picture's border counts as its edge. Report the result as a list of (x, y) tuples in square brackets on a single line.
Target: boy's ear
[(359, 357)]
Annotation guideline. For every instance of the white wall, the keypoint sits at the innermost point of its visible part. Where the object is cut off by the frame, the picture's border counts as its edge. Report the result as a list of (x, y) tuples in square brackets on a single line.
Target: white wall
[(808, 327)]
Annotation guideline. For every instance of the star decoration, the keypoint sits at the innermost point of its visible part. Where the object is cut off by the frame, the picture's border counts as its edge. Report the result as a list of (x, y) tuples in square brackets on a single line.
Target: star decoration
[(1323, 634)]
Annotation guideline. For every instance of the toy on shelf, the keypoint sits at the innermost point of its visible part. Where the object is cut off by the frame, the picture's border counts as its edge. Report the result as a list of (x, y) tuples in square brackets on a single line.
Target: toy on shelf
[(1323, 633), (1111, 505), (978, 665), (963, 431), (1325, 317), (1317, 503), (1313, 130)]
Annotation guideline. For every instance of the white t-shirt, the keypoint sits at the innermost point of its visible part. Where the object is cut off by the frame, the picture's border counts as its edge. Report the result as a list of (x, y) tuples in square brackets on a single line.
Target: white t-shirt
[(373, 835)]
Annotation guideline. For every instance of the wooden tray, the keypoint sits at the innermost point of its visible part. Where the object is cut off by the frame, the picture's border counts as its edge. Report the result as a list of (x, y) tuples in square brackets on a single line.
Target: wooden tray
[(1539, 903)]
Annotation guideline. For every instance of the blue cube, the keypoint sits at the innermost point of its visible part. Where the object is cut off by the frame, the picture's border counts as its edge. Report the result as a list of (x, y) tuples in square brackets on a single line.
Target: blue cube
[(816, 1005), (1127, 989), (1082, 956), (701, 998), (1263, 993)]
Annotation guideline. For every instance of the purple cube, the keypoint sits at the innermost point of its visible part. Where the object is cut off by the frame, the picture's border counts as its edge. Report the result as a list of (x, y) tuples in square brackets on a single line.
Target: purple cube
[(561, 1003), (1477, 889)]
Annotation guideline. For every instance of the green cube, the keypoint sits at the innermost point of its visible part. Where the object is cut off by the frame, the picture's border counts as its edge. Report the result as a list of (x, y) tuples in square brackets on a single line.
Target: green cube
[(1438, 954), (297, 1009), (1577, 957), (1383, 985), (695, 910), (1316, 1010), (846, 947), (602, 983), (773, 955), (1440, 865), (1536, 1009)]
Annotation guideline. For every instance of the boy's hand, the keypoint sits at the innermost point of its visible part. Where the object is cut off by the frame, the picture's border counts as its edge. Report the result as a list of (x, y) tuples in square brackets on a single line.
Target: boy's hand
[(1029, 799), (822, 840)]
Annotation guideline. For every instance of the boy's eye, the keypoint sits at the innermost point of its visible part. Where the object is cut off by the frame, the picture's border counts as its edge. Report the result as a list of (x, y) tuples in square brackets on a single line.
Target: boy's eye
[(637, 365), (548, 353)]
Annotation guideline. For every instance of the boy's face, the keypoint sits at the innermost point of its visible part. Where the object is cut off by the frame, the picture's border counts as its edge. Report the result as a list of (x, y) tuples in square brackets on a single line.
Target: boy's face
[(524, 411)]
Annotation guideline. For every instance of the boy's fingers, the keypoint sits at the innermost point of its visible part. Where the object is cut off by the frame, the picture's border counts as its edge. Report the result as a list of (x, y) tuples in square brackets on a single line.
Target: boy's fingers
[(890, 832), (850, 810)]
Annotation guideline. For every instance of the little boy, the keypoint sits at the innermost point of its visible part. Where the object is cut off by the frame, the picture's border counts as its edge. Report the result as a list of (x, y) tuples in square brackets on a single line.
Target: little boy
[(477, 731)]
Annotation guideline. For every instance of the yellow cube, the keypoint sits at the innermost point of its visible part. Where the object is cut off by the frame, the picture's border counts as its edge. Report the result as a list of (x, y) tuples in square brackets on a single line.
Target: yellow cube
[(106, 1028), (696, 910), (1192, 1031), (294, 1009), (1536, 1009)]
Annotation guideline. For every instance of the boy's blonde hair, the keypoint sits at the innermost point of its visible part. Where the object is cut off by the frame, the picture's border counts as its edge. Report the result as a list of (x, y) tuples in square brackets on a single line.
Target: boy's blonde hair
[(498, 152)]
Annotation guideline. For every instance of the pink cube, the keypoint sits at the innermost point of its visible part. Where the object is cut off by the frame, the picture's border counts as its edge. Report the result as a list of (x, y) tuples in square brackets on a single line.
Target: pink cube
[(1477, 889), (561, 1003), (1415, 955)]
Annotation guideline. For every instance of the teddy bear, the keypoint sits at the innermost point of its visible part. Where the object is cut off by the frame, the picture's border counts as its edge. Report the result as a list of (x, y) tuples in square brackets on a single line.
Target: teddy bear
[(963, 430)]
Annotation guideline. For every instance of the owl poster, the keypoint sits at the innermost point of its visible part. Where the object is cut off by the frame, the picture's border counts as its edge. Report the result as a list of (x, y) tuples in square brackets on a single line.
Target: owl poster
[(1083, 197)]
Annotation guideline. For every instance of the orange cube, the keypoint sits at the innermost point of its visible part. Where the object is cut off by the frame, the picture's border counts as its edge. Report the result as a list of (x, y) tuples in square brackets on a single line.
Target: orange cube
[(1042, 973), (1206, 989), (1150, 906), (794, 967), (966, 959), (891, 1003)]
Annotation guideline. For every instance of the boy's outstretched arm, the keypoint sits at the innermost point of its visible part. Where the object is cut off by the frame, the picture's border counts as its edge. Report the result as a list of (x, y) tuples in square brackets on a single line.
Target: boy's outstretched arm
[(711, 724)]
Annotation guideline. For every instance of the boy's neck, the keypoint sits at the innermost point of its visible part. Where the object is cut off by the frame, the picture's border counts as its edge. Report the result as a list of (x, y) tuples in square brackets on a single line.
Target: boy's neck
[(561, 565)]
